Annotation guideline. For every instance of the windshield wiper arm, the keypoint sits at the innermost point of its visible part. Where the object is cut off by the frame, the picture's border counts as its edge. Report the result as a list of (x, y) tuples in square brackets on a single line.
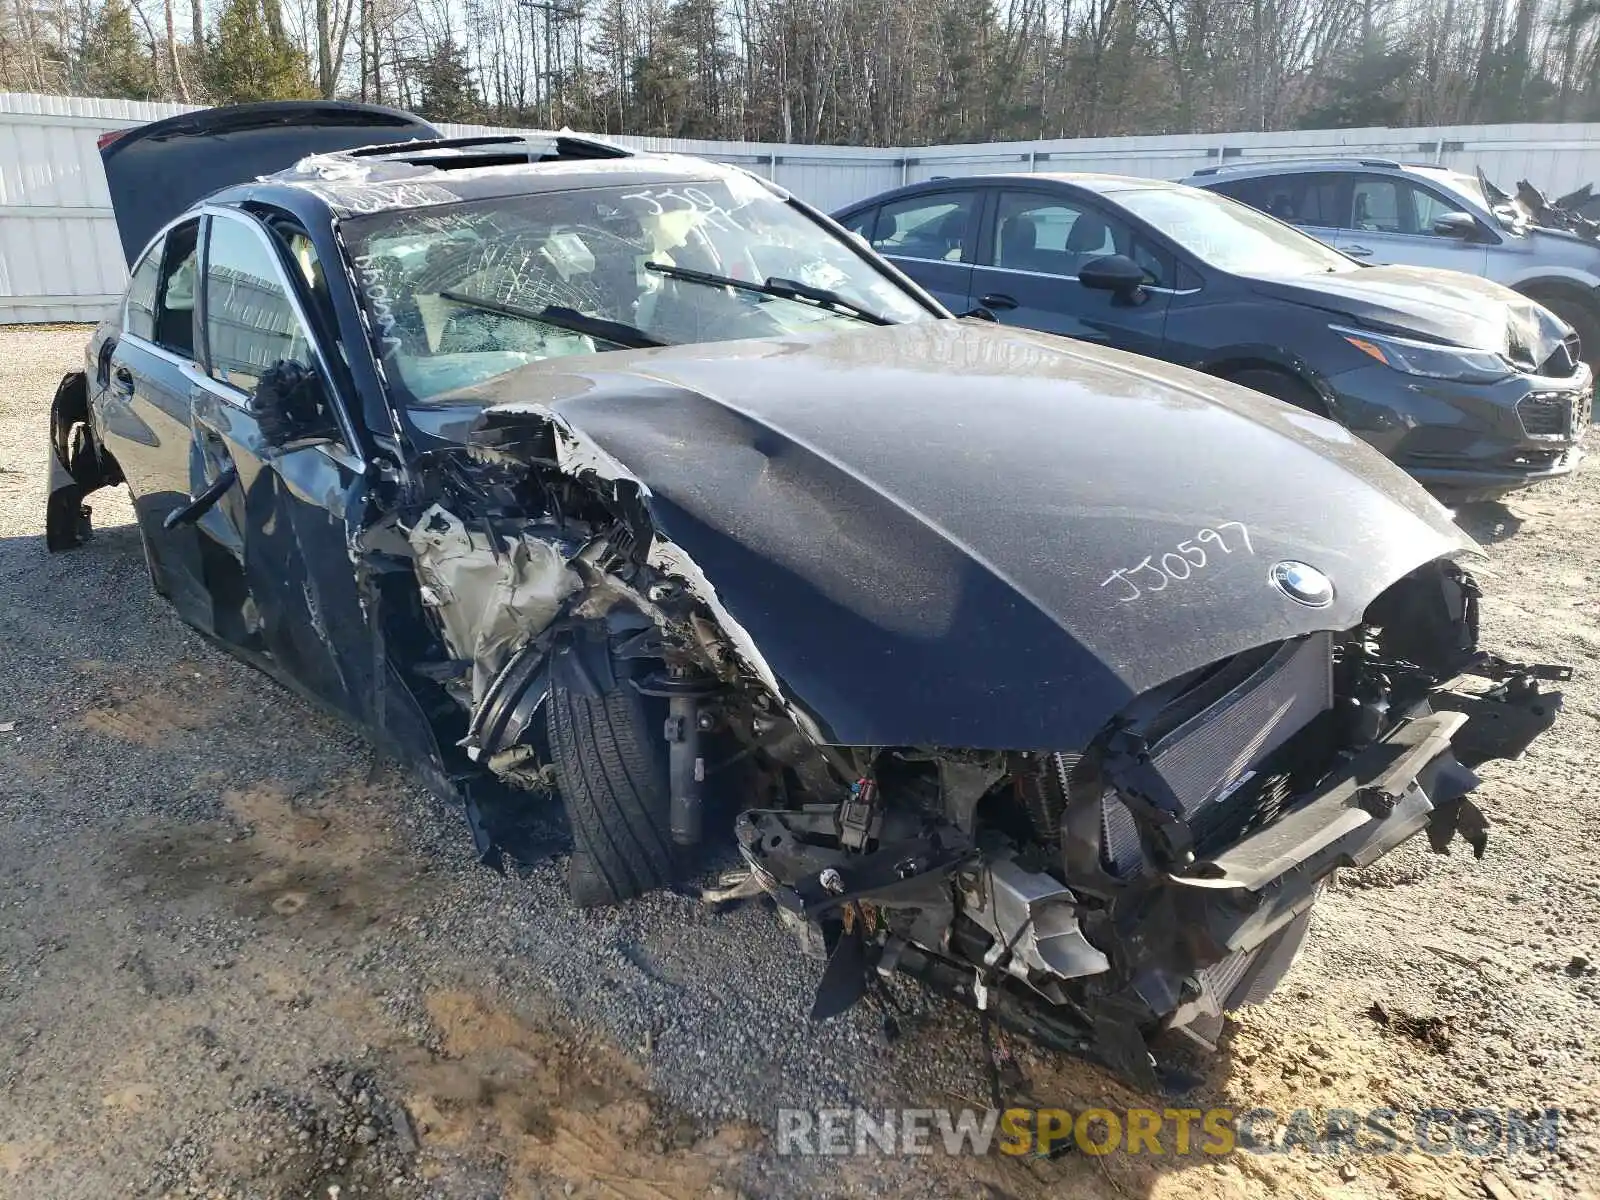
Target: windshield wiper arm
[(783, 289), (570, 319)]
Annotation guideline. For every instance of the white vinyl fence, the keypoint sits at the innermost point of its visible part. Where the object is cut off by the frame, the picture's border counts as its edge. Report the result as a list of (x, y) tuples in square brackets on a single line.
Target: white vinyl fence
[(60, 259)]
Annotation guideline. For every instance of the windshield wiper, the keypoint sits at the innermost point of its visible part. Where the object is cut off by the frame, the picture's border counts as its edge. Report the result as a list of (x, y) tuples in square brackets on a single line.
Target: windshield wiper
[(618, 334), (783, 289)]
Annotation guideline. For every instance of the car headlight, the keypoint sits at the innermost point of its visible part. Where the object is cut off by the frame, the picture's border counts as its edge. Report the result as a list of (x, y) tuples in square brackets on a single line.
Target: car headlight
[(1428, 358)]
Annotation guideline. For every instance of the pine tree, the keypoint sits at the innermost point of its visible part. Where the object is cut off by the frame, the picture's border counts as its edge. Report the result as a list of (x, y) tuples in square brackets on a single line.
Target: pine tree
[(115, 63), (447, 91), (245, 60), (1371, 89)]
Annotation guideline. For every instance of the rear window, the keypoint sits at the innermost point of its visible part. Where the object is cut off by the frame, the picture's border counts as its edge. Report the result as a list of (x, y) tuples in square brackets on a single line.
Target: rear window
[(139, 316), (1301, 198), (931, 227)]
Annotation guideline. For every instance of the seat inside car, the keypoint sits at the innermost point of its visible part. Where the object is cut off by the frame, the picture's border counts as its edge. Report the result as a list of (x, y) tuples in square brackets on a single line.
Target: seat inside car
[(1088, 239), (1019, 243)]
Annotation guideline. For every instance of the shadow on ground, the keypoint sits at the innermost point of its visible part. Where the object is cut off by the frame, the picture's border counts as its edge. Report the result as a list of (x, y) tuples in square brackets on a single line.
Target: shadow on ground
[(1488, 521)]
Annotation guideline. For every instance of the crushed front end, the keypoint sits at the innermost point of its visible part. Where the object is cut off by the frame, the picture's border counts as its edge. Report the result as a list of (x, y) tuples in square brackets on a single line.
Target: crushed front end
[(1164, 874), (1096, 896)]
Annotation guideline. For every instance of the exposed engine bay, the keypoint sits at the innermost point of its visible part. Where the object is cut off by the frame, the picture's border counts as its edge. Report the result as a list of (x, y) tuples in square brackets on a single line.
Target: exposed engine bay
[(1093, 896)]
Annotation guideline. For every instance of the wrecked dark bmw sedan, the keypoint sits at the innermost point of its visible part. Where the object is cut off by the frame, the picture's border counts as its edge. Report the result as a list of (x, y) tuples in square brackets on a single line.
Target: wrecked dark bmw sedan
[(1059, 678)]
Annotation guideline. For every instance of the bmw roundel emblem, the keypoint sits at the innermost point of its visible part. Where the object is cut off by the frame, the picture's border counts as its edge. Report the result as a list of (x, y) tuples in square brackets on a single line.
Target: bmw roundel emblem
[(1302, 583)]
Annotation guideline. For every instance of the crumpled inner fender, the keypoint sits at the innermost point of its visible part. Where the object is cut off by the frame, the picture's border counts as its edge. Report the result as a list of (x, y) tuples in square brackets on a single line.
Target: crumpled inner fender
[(491, 594)]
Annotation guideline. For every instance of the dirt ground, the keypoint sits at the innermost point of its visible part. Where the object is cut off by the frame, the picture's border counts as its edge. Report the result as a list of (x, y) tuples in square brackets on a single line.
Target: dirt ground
[(240, 958)]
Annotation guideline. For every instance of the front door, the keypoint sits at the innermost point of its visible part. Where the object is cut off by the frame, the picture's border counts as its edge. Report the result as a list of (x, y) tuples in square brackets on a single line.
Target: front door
[(1391, 222), (1028, 273), (277, 543)]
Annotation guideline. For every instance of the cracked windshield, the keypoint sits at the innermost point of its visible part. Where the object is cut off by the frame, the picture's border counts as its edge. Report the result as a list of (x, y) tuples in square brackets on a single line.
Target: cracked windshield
[(464, 292)]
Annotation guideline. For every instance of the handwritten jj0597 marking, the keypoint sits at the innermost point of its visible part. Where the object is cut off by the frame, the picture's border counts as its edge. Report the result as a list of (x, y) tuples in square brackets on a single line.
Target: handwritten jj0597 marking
[(1158, 572)]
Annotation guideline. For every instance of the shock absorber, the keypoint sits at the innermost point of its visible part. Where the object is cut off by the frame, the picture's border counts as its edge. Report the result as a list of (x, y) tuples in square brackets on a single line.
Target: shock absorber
[(684, 689)]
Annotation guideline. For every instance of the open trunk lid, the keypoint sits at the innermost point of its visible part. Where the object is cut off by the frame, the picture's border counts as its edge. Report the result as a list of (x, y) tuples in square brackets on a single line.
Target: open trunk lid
[(156, 171)]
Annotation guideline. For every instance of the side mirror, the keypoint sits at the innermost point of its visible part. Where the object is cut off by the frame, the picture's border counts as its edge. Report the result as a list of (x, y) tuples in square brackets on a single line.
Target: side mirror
[(1456, 225), (292, 406), (1115, 273)]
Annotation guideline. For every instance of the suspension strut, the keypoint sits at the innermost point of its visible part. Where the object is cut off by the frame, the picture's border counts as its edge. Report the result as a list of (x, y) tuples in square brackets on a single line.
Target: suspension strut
[(683, 689)]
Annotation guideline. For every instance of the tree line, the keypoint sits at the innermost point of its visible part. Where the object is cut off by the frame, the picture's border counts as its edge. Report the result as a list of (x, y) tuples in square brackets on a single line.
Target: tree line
[(872, 72)]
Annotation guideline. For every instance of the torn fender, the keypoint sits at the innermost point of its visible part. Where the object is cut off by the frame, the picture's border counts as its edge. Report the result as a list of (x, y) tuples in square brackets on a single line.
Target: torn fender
[(77, 466), (491, 594)]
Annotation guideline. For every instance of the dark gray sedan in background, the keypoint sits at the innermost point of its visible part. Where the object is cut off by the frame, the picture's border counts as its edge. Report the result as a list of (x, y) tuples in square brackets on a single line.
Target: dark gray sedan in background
[(1472, 388)]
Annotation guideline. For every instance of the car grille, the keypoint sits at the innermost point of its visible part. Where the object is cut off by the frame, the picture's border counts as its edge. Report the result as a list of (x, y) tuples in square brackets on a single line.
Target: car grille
[(1208, 761), (1553, 414)]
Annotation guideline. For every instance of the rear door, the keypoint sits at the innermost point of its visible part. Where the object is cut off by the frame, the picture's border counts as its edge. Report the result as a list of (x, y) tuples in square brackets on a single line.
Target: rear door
[(1033, 245), (277, 543), (142, 411), (154, 172), (1391, 222), (933, 237)]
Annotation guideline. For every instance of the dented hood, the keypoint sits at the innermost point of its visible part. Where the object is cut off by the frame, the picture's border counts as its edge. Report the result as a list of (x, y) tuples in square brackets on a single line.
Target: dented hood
[(955, 533), (1441, 306)]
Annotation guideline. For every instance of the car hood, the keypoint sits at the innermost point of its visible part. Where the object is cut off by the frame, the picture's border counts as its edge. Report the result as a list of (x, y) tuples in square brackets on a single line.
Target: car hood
[(1442, 306), (954, 533)]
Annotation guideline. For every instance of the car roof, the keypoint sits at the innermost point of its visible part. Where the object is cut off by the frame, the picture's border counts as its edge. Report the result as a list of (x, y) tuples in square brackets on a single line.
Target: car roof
[(421, 174), (1245, 169), (1093, 181)]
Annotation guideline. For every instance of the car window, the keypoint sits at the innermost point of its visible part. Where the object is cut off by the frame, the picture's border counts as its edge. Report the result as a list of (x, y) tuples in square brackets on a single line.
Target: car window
[(1306, 199), (1300, 198), (175, 290), (459, 293), (933, 227), (139, 313), (1426, 208), (1056, 236), (860, 223), (1380, 206), (1397, 206), (1158, 266), (1247, 191), (250, 323)]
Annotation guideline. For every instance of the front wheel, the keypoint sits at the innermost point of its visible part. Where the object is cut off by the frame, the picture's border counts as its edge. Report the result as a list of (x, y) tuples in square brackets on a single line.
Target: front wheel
[(613, 779)]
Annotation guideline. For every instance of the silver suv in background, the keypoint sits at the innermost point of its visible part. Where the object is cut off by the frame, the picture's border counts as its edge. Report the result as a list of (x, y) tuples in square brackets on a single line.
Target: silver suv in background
[(1380, 211)]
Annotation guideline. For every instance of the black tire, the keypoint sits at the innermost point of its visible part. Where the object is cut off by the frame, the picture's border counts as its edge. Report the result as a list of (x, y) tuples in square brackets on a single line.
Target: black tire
[(1581, 315), (611, 769), (1280, 386)]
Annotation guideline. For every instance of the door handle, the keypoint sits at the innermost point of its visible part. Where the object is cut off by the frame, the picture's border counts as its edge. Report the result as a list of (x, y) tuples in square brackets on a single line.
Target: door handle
[(188, 514), (997, 300), (122, 382), (1358, 251)]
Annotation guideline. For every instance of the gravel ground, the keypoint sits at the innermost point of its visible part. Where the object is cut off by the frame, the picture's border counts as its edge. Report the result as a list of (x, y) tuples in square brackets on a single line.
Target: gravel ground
[(239, 957)]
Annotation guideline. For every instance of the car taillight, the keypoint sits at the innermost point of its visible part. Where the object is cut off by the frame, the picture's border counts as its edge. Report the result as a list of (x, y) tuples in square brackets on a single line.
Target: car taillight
[(111, 135)]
